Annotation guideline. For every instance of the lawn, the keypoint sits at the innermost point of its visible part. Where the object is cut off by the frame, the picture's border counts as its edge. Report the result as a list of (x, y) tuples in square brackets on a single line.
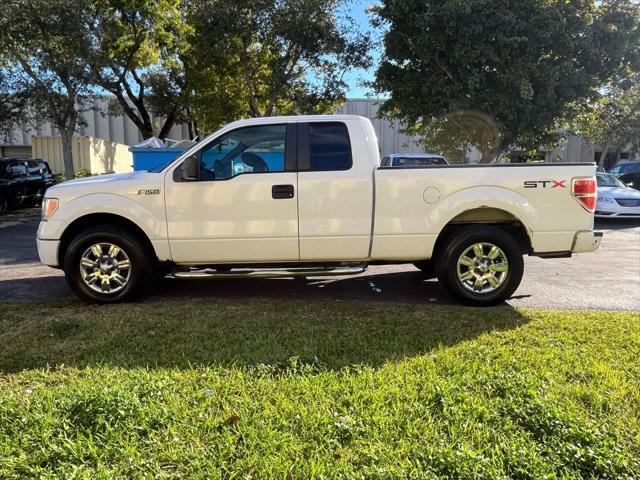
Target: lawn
[(317, 389)]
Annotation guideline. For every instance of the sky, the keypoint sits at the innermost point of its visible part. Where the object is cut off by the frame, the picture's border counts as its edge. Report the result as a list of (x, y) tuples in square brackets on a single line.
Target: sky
[(358, 10)]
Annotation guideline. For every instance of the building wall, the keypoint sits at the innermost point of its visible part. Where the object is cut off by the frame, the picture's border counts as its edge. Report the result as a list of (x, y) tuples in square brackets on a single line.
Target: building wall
[(120, 129), (97, 123)]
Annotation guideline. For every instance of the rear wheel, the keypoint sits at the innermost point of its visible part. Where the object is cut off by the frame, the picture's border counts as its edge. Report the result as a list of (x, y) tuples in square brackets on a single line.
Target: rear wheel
[(106, 264), (481, 265)]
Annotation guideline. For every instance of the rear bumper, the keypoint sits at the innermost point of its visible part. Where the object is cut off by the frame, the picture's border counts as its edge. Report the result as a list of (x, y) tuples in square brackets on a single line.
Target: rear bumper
[(48, 251), (586, 241)]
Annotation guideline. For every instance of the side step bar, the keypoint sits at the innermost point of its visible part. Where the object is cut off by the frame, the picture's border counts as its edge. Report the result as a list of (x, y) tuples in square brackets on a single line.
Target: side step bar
[(273, 273)]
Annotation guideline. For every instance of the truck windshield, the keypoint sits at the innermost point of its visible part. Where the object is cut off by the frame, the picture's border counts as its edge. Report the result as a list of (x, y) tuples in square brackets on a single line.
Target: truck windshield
[(418, 161), (607, 180)]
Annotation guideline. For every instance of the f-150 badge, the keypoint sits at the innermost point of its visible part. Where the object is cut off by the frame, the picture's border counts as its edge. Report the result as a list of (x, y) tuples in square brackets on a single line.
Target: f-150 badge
[(153, 191)]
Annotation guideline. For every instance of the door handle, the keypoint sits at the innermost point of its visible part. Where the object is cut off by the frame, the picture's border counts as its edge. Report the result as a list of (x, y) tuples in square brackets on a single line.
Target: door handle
[(282, 191)]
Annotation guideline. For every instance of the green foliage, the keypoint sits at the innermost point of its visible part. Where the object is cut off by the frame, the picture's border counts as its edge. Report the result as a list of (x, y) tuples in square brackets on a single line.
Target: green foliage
[(82, 173), (320, 389), (13, 105), (44, 45), (613, 121), (279, 57), (208, 62), (136, 55), (527, 64)]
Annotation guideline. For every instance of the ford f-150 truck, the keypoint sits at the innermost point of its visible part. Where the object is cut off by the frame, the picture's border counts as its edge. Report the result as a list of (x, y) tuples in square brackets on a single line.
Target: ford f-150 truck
[(306, 196)]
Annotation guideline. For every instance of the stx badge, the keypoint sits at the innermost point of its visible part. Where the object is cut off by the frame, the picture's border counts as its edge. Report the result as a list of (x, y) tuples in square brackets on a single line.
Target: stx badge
[(545, 183)]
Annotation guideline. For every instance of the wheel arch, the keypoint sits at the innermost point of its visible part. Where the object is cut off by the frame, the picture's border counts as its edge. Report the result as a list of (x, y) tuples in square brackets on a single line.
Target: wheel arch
[(497, 217), (93, 219)]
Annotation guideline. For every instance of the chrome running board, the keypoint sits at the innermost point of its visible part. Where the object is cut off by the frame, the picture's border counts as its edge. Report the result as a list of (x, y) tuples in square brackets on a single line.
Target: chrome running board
[(272, 273)]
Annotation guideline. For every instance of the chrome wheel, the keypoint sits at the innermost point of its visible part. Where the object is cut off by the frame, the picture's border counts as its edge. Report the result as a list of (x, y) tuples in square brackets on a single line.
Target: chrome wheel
[(482, 268), (105, 268)]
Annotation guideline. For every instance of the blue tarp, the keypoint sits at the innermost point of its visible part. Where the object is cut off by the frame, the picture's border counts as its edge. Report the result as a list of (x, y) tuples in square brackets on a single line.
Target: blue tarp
[(145, 158)]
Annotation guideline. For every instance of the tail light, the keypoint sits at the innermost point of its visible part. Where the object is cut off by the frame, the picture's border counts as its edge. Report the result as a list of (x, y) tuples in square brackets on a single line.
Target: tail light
[(584, 190)]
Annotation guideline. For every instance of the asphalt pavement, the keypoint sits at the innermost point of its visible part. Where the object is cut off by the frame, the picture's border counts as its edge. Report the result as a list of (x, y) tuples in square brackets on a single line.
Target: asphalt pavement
[(608, 279)]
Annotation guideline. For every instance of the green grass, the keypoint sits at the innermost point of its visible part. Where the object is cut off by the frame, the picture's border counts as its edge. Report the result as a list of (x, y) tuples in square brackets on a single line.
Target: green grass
[(317, 389)]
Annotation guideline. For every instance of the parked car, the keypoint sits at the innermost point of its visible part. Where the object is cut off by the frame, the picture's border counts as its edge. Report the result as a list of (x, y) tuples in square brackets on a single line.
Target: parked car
[(23, 182), (413, 160), (628, 173), (306, 196), (615, 199)]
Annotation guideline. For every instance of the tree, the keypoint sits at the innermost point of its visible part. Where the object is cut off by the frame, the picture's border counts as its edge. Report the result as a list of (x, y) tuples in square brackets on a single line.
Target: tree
[(137, 56), (613, 121), (285, 56), (11, 104), (527, 64), (46, 43)]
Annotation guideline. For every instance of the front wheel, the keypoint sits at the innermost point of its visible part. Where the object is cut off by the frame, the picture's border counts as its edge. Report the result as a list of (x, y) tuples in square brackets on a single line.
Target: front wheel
[(106, 264), (481, 265)]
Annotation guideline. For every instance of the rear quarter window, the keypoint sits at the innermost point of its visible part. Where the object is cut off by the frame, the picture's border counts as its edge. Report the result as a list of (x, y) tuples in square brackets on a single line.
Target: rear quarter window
[(329, 146)]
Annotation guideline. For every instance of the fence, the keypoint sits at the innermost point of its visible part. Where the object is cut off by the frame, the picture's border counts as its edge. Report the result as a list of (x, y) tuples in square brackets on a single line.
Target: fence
[(89, 153)]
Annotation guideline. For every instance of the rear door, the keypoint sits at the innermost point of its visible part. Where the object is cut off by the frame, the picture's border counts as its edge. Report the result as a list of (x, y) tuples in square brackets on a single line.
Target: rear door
[(335, 190)]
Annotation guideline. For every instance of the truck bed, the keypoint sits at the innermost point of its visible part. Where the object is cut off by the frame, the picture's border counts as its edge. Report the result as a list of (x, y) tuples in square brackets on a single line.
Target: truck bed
[(414, 204)]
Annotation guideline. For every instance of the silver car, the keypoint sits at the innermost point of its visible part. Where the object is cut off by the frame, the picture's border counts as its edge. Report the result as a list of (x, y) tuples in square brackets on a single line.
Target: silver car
[(615, 199)]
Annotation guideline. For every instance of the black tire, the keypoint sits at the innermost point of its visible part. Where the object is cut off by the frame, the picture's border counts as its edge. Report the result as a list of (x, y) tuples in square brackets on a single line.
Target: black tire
[(141, 266), (459, 243), (4, 205), (427, 268), (37, 199)]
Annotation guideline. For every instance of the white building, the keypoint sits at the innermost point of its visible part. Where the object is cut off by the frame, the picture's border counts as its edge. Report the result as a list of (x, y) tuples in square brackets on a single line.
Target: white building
[(120, 129)]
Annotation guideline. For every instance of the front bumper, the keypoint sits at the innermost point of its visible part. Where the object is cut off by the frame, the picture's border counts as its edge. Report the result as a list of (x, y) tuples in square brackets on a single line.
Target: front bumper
[(614, 210), (607, 214), (48, 251), (586, 241)]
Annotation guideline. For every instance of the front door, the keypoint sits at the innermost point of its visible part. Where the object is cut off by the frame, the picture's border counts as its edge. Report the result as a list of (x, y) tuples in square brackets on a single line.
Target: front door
[(243, 206)]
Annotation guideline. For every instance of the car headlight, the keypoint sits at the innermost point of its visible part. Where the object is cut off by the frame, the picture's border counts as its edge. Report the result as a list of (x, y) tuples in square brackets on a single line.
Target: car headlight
[(605, 200), (49, 206)]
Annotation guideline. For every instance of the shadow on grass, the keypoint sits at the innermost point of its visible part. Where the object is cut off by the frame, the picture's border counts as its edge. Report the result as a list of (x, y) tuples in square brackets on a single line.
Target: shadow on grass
[(326, 334)]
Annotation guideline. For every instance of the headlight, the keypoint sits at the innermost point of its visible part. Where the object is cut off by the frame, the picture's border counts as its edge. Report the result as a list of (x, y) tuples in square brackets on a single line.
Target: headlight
[(605, 200), (49, 206)]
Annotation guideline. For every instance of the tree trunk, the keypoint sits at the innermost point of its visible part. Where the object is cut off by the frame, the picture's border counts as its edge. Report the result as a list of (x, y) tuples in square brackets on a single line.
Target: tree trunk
[(141, 119), (168, 124), (67, 155), (603, 155), (190, 128), (196, 131)]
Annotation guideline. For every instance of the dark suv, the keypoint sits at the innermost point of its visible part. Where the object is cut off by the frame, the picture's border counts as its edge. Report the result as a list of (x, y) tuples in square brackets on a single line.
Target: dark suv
[(628, 173), (23, 182)]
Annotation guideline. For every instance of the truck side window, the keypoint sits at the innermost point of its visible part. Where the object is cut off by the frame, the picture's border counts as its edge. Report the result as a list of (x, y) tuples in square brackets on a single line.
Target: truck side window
[(245, 150), (329, 146)]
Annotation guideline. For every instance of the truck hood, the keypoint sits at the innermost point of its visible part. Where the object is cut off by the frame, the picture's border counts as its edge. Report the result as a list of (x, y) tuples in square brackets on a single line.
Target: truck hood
[(112, 177), (118, 183)]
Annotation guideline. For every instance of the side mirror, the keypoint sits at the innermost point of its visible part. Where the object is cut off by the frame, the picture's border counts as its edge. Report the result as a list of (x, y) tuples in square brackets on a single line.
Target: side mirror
[(190, 168)]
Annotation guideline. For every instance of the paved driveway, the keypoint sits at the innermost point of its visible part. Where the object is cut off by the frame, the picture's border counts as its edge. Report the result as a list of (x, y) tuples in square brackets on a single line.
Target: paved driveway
[(608, 279)]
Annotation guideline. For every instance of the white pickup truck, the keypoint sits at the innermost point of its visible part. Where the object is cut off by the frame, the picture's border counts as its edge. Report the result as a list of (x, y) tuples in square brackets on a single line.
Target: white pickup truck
[(306, 196)]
